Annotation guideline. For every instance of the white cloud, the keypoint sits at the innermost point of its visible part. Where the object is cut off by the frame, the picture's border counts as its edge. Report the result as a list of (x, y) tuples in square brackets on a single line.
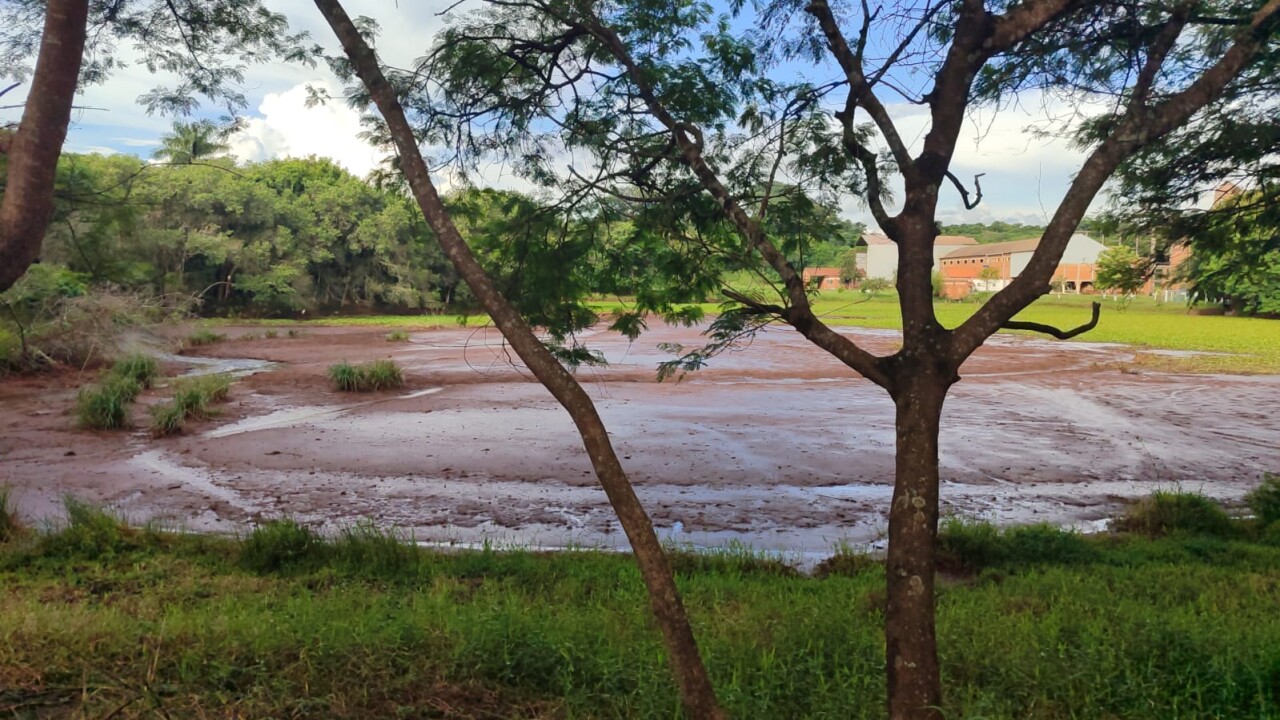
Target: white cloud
[(286, 127)]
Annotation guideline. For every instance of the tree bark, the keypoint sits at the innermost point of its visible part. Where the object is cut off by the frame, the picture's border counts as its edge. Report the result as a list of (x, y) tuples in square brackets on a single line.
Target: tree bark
[(911, 655), (696, 691), (35, 148)]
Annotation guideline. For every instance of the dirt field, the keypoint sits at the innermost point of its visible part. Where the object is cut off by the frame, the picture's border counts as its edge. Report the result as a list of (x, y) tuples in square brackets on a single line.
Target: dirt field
[(778, 446)]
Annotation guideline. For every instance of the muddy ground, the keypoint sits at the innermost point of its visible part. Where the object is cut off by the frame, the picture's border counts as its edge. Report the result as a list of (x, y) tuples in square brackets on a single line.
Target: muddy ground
[(778, 446)]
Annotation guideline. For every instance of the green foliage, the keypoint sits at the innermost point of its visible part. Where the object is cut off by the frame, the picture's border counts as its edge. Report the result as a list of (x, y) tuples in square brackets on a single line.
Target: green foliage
[(366, 377), (189, 142), (398, 336), (105, 406), (1236, 256), (204, 336), (167, 419), (1166, 513), (875, 286), (1264, 500), (270, 334), (1120, 269), (849, 271), (142, 369), (91, 532), (994, 232), (976, 545), (9, 525), (281, 546), (938, 283), (527, 634)]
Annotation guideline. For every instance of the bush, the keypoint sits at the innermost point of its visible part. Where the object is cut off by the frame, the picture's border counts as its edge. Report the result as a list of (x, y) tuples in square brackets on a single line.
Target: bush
[(9, 526), (847, 562), (281, 545), (1167, 513), (167, 419), (106, 406), (91, 532), (975, 545), (367, 377), (138, 367), (1264, 500), (204, 337), (398, 336), (270, 334)]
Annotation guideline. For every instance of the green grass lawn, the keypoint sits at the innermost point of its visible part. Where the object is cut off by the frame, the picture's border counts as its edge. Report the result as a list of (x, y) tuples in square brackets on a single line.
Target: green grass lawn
[(99, 620), (1247, 345)]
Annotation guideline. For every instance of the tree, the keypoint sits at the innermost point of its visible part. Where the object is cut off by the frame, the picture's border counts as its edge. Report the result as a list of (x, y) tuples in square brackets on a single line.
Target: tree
[(207, 45), (849, 270), (1120, 269), (676, 108), (189, 142), (1237, 255)]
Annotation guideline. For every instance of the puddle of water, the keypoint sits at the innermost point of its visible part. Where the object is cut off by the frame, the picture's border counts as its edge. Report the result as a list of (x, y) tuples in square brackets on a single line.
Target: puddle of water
[(289, 417), (236, 367)]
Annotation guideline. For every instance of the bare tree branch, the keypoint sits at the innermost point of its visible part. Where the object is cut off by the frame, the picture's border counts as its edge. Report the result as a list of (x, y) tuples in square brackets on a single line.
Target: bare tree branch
[(1051, 330), (964, 194)]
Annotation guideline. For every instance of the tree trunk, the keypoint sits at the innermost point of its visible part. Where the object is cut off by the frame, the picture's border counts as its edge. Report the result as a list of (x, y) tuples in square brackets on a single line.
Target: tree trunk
[(911, 653), (695, 687), (34, 150)]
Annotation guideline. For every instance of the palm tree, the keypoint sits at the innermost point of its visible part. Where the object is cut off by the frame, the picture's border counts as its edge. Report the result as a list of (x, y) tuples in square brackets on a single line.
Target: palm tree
[(189, 142)]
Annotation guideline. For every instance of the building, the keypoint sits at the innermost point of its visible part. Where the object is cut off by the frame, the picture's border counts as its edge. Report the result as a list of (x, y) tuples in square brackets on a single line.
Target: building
[(988, 268), (882, 253), (823, 278)]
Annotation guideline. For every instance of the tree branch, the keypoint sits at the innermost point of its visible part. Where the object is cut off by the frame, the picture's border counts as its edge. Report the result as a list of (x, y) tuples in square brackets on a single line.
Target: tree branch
[(964, 194), (1051, 330)]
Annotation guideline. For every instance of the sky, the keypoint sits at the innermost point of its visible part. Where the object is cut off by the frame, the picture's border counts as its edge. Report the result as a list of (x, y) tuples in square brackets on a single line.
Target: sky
[(1024, 175)]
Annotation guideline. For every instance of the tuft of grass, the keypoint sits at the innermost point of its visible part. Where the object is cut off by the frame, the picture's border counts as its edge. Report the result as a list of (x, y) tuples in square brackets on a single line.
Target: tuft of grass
[(193, 399), (1168, 513), (382, 375), (167, 419), (9, 525), (847, 562), (92, 532), (138, 367), (204, 337), (970, 546), (248, 336), (295, 333), (398, 336), (735, 558), (279, 546), (1264, 500), (366, 377), (105, 406), (366, 550), (270, 334)]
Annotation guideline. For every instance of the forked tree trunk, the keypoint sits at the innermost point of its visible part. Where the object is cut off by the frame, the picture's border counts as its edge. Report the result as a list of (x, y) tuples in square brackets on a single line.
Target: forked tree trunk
[(911, 654), (33, 152), (696, 691)]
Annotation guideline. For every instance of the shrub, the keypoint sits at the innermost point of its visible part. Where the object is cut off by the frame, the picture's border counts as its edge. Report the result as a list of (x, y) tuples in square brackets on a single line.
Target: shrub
[(383, 375), (91, 532), (398, 336), (371, 376), (281, 545), (204, 337), (270, 334), (106, 406), (847, 562), (9, 526), (975, 545), (138, 367), (1167, 513), (295, 333), (1264, 500), (167, 419)]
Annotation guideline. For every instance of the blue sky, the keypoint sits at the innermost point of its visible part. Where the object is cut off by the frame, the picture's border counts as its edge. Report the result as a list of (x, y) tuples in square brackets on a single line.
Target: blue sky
[(1024, 175)]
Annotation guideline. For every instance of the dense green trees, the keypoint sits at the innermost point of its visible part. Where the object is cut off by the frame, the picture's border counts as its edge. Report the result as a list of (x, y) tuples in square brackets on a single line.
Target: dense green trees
[(1236, 254), (1121, 269), (270, 238)]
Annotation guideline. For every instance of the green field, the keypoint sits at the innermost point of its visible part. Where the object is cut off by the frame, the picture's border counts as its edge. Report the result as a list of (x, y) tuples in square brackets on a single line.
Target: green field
[(1239, 344), (103, 621)]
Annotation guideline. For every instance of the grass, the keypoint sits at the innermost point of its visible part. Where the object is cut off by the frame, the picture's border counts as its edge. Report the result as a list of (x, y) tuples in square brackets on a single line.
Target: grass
[(287, 623), (398, 336), (9, 525), (193, 399), (137, 367), (106, 406), (366, 377), (204, 336), (1264, 500), (1165, 513)]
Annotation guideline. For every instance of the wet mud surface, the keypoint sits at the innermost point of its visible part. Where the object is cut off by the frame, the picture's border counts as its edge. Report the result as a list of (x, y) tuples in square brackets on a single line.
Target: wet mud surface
[(777, 446)]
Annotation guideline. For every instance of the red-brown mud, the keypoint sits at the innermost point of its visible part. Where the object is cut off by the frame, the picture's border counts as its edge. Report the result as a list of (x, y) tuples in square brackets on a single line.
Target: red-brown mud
[(778, 446)]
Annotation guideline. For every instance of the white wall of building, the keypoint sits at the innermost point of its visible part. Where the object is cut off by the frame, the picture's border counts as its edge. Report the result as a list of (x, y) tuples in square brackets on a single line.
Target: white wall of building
[(882, 261)]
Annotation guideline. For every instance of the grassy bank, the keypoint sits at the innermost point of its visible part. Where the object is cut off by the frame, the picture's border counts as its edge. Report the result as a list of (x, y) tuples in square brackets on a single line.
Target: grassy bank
[(98, 620)]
